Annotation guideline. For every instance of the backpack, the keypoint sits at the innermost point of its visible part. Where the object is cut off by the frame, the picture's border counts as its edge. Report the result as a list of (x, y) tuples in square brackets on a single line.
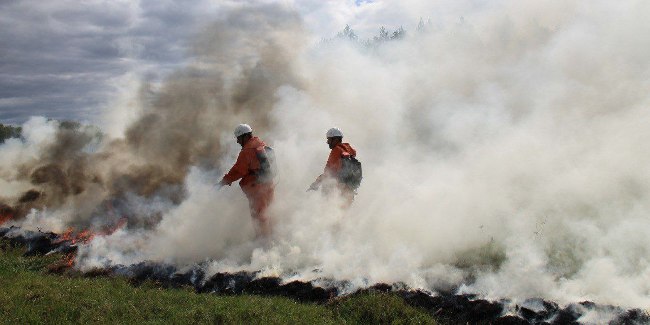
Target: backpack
[(267, 170), (351, 173)]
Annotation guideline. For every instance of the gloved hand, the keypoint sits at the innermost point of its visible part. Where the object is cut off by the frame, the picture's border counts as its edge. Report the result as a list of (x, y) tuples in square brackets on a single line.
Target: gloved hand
[(220, 185), (313, 186)]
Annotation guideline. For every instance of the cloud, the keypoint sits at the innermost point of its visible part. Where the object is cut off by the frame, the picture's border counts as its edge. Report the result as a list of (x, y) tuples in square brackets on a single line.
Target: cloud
[(61, 66), (67, 65)]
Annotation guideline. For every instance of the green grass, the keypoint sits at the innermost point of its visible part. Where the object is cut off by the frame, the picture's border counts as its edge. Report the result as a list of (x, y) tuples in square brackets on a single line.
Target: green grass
[(379, 308), (28, 295)]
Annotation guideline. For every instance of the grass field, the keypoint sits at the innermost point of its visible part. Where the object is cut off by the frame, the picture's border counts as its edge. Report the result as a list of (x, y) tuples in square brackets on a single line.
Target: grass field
[(29, 295)]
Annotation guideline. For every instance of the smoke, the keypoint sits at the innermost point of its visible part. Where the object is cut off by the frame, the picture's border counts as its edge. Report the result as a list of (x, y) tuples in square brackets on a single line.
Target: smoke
[(504, 152), (182, 124)]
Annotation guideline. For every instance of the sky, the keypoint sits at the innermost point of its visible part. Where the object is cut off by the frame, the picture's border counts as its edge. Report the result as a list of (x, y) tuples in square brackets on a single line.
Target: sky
[(69, 59)]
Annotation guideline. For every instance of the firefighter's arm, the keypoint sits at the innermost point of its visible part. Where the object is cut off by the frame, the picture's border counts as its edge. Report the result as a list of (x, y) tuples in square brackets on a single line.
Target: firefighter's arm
[(314, 186), (333, 161), (333, 164), (238, 170)]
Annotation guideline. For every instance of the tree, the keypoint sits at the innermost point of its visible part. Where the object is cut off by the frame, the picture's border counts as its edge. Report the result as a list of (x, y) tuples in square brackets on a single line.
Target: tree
[(398, 34), (69, 125), (347, 33), (9, 131), (421, 25), (383, 35)]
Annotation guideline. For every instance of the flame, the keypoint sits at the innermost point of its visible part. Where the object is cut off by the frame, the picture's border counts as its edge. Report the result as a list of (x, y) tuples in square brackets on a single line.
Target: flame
[(6, 213), (82, 237), (4, 217), (68, 260), (87, 235), (65, 236), (64, 264)]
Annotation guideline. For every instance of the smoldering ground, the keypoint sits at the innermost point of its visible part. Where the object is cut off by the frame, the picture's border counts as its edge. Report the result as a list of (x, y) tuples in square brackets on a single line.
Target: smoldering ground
[(504, 153)]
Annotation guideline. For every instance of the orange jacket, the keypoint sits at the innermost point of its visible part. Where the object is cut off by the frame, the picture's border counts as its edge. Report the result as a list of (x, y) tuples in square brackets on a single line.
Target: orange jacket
[(333, 165), (246, 165)]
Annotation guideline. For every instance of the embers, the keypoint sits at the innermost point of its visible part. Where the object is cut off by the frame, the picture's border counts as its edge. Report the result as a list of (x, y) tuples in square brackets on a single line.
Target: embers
[(74, 237), (43, 243), (6, 213), (62, 265)]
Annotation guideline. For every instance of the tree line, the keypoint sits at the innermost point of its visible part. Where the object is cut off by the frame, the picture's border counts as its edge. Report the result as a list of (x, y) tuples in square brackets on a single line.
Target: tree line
[(9, 131), (385, 35)]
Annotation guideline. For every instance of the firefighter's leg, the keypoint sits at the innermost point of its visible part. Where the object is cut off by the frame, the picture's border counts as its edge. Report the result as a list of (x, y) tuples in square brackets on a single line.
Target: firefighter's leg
[(259, 204), (347, 196), (348, 199)]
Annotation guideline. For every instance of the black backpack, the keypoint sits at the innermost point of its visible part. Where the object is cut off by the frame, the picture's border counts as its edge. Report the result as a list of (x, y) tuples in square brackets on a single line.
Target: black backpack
[(351, 173), (267, 170)]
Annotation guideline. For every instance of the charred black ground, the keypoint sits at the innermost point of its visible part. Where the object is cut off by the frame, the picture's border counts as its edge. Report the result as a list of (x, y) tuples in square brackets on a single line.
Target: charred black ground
[(455, 308)]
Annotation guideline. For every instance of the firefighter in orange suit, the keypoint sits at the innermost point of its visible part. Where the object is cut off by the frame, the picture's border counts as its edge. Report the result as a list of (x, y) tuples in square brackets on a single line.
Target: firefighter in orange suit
[(259, 192), (339, 149)]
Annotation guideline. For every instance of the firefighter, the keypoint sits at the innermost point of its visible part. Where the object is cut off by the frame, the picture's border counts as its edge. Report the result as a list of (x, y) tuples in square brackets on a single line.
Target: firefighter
[(251, 167), (334, 167)]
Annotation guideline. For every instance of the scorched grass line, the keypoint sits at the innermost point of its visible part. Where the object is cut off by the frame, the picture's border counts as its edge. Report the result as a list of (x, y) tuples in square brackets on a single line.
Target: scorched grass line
[(30, 296), (450, 306)]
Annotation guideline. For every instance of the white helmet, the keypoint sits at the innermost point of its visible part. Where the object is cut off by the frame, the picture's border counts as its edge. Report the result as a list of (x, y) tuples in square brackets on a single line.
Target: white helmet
[(334, 132), (242, 129)]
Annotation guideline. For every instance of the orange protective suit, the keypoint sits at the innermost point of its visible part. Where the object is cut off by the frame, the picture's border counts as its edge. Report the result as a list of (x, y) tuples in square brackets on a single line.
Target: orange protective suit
[(332, 169), (259, 195)]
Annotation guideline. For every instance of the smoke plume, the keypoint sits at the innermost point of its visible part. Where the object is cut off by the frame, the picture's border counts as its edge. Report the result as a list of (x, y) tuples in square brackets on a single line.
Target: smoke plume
[(504, 153)]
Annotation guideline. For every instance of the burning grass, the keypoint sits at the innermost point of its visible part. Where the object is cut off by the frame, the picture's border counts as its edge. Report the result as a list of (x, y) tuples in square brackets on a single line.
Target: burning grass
[(30, 296), (6, 213), (379, 303)]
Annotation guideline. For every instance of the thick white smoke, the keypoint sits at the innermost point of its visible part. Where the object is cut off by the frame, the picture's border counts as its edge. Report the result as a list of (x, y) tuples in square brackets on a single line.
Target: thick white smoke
[(508, 147)]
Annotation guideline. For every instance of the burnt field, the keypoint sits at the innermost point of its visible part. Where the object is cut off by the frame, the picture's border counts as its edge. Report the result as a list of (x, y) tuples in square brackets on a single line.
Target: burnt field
[(506, 174), (445, 306)]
